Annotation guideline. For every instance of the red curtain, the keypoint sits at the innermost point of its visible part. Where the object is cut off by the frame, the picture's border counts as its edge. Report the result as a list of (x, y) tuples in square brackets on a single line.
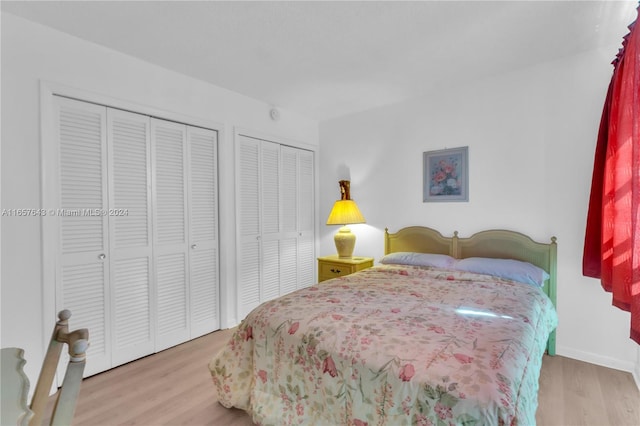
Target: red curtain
[(612, 239)]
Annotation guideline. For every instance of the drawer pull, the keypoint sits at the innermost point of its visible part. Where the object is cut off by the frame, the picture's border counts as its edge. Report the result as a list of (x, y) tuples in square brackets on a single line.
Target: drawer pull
[(335, 271)]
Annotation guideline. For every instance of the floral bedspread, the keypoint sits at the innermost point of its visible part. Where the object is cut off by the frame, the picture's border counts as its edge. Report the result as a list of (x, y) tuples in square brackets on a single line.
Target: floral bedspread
[(391, 345)]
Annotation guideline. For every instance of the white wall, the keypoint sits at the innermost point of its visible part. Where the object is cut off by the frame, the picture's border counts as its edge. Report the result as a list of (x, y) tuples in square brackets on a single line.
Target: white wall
[(636, 373), (531, 136), (32, 53)]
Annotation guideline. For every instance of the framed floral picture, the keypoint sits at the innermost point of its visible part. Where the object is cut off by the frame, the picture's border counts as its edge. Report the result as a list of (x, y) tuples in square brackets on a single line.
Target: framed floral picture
[(446, 175)]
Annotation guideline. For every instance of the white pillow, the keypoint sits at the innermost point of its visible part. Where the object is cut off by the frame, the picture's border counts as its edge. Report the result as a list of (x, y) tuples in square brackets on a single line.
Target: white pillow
[(419, 259), (516, 270)]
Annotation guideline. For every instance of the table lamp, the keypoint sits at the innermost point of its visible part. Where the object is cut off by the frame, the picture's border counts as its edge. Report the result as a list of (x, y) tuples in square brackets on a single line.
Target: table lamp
[(345, 212)]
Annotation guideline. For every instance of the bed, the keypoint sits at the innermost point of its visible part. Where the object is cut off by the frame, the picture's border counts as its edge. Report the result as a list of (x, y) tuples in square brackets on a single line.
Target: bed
[(437, 333)]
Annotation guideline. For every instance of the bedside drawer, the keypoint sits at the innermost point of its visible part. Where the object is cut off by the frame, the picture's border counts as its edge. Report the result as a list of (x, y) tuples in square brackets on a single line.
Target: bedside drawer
[(333, 270), (333, 266)]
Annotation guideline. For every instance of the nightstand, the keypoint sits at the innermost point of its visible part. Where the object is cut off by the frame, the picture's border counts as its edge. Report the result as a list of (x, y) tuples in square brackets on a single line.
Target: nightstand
[(333, 266)]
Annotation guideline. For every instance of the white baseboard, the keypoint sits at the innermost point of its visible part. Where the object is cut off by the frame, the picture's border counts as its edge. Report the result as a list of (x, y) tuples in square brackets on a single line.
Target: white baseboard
[(228, 323), (604, 361), (630, 366)]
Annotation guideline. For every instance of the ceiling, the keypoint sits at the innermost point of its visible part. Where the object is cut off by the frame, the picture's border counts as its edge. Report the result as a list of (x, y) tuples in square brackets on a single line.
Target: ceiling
[(327, 59)]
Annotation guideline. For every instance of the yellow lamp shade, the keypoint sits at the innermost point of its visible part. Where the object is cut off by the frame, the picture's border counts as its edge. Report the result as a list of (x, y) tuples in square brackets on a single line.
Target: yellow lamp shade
[(345, 212)]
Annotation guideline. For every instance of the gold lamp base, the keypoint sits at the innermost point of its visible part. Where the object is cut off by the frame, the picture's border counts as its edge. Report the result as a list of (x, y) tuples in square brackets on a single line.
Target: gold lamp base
[(345, 242)]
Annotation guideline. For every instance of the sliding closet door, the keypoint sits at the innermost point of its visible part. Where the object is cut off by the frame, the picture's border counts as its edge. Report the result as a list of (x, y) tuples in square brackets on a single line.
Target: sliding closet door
[(79, 176), (203, 238), (169, 159), (129, 166)]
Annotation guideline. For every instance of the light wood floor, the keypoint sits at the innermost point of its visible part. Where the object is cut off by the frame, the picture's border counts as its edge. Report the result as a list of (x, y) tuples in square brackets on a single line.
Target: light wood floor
[(173, 387)]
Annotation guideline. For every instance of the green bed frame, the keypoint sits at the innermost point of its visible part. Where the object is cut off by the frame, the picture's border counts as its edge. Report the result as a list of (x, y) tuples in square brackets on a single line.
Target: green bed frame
[(495, 243)]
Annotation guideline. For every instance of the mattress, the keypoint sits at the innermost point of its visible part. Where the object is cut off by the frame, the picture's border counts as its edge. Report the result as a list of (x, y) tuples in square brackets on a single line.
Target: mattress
[(391, 345)]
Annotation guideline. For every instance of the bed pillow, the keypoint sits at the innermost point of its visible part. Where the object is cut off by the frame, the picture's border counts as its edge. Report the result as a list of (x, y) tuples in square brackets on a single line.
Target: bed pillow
[(516, 270), (419, 259)]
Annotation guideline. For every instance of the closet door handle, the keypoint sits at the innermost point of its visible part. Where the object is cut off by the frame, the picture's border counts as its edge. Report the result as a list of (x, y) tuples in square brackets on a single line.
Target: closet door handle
[(193, 246), (102, 256)]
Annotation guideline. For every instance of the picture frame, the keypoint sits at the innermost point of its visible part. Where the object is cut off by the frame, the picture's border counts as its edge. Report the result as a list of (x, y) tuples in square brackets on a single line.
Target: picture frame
[(446, 175)]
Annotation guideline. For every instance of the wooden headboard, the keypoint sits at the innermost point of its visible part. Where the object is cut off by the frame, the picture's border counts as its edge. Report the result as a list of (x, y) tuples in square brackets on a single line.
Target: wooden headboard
[(495, 243), (417, 239)]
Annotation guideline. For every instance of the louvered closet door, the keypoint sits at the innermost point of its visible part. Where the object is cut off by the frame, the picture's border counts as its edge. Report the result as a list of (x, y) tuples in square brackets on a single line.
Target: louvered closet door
[(290, 223), (82, 271), (298, 260), (170, 189), (270, 219), (203, 240), (258, 215), (306, 219), (130, 237), (248, 224)]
